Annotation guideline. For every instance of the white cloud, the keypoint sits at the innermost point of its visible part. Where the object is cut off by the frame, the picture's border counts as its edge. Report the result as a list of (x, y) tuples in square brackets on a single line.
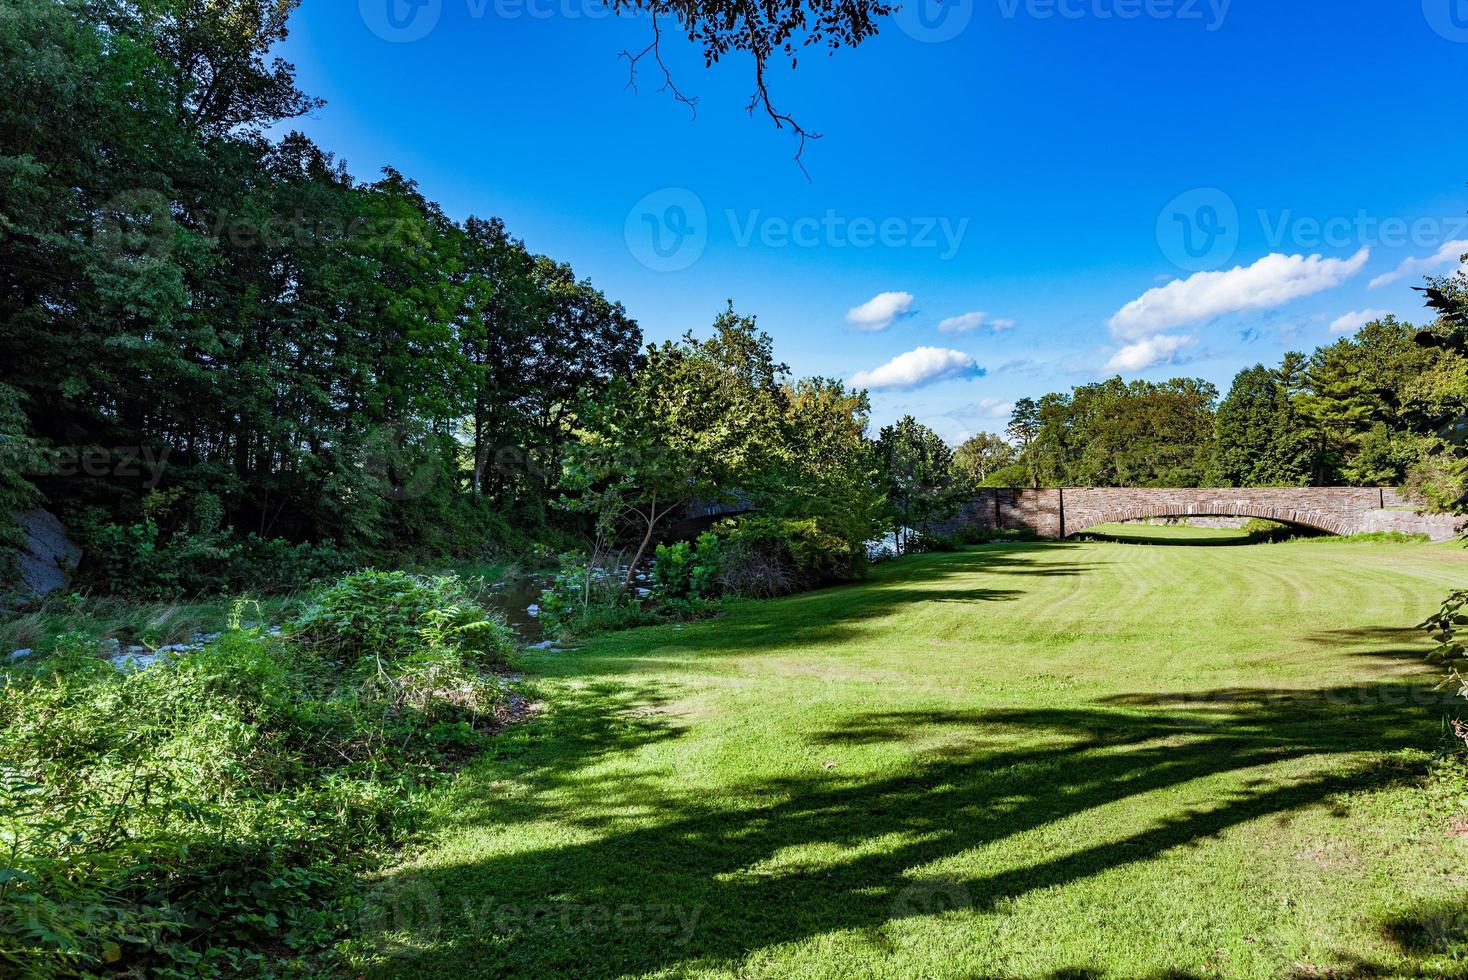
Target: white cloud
[(1451, 252), (1272, 281), (1355, 320), (878, 312), (969, 322), (916, 368), (985, 408), (1145, 353)]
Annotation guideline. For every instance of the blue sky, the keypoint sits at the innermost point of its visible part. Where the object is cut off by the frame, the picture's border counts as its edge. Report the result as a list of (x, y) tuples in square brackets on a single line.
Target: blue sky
[(1145, 187)]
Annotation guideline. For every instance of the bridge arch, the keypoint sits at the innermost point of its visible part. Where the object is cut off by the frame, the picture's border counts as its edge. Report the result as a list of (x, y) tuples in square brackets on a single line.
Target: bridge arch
[(1061, 512), (1314, 520)]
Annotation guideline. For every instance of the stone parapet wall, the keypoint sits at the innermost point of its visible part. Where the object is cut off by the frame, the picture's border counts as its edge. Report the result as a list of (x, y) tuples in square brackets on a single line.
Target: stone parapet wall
[(1056, 513)]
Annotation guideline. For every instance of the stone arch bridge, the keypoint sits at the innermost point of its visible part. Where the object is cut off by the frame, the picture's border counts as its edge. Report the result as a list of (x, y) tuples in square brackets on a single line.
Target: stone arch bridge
[(1059, 513)]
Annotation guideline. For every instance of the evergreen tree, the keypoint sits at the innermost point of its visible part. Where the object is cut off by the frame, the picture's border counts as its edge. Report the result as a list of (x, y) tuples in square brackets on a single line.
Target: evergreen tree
[(1246, 429)]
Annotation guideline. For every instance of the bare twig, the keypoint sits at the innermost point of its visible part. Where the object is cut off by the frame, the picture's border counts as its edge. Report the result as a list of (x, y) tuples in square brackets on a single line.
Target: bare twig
[(761, 96), (654, 48)]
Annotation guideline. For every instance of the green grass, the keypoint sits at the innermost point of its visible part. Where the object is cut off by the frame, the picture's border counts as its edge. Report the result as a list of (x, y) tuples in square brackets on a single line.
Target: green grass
[(1021, 760)]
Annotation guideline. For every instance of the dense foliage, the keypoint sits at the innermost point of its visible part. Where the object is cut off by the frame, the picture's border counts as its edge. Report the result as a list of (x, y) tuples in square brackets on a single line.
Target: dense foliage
[(1438, 413), (717, 426), (1451, 655), (209, 335), (208, 815), (1351, 413)]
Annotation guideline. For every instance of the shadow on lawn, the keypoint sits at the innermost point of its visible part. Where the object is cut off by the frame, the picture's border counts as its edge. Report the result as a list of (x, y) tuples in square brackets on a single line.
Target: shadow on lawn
[(1167, 541), (1384, 642), (843, 613), (707, 885)]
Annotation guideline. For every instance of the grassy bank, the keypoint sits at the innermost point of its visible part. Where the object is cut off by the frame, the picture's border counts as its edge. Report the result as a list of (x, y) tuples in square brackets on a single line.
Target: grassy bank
[(1047, 760)]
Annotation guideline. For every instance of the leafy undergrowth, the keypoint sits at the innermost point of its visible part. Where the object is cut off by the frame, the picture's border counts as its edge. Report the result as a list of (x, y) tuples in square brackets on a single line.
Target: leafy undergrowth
[(152, 624), (210, 815)]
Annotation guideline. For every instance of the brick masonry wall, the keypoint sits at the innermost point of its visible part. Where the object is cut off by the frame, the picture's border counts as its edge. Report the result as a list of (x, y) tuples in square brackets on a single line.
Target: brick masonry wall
[(1055, 513)]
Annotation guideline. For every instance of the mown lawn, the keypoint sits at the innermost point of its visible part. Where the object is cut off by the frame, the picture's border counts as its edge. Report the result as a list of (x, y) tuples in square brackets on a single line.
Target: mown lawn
[(1048, 760)]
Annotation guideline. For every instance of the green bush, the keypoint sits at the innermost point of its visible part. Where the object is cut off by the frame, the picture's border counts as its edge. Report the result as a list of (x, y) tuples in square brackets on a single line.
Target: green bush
[(583, 602), (147, 560), (372, 619), (1385, 537), (1261, 530), (1448, 627), (690, 571), (210, 815), (767, 556)]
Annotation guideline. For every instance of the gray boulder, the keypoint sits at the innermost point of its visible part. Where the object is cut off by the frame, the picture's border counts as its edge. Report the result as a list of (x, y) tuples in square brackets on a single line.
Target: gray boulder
[(47, 556)]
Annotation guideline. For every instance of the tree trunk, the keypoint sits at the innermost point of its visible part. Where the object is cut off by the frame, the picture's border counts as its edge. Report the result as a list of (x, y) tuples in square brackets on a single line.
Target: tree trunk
[(652, 523)]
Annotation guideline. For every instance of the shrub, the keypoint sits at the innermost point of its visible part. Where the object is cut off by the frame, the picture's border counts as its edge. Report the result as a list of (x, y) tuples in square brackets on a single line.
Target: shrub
[(1381, 537), (766, 556), (584, 601), (1451, 654), (147, 560), (374, 619), (685, 571), (209, 815), (1260, 530)]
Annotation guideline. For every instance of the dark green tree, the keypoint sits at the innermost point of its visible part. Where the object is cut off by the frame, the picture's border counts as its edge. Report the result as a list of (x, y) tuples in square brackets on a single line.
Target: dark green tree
[(918, 479)]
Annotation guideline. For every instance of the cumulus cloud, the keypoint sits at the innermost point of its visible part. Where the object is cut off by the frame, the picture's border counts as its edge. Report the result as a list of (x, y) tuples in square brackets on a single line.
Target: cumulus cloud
[(969, 322), (916, 368), (1145, 353), (880, 311), (1357, 319), (1273, 280), (1449, 253)]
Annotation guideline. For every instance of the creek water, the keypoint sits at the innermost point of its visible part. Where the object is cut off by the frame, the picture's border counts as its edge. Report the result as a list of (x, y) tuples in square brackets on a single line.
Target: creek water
[(513, 600)]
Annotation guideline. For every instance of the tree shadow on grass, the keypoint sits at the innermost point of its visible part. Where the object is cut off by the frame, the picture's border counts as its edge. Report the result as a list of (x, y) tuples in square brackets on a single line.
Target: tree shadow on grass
[(1431, 936), (704, 881), (847, 612), (1382, 642)]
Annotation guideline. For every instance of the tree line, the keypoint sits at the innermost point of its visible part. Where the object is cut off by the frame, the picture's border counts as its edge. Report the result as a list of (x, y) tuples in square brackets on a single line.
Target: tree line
[(320, 370), (227, 358), (1349, 414), (307, 357)]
